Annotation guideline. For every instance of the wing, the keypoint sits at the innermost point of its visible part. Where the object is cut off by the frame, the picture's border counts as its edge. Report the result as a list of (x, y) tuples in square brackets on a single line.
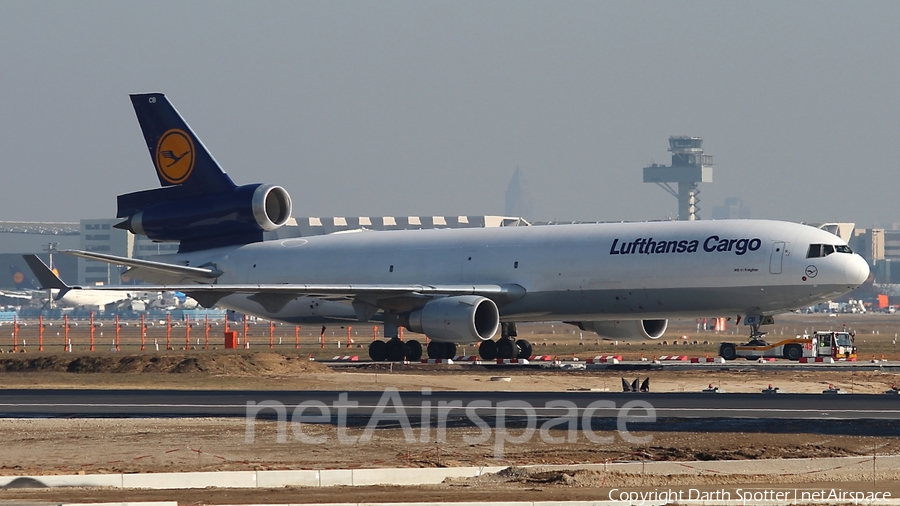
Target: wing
[(366, 298), (16, 295)]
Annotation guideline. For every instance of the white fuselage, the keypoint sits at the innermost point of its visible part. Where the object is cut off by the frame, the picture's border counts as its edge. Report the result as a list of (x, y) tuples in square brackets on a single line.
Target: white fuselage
[(568, 272), (86, 297)]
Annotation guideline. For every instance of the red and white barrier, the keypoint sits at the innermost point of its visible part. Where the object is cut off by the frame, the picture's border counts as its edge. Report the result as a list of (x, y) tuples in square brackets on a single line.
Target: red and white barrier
[(541, 358), (346, 358), (708, 360), (673, 358), (605, 359), (809, 360), (466, 358), (437, 360), (520, 361)]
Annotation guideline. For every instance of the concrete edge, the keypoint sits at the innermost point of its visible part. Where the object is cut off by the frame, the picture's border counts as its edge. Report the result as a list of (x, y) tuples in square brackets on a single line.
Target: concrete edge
[(420, 476), (250, 479), (529, 503), (144, 503)]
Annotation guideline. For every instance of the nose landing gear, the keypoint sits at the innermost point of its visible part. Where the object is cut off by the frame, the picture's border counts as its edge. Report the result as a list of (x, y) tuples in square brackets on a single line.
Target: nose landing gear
[(757, 338)]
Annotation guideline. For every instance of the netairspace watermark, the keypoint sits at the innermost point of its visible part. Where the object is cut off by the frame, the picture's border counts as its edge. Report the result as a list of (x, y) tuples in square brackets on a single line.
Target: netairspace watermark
[(515, 422), (747, 496)]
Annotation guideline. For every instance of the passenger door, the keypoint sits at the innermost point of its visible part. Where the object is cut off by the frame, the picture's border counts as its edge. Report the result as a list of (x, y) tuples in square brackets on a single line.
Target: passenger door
[(777, 258)]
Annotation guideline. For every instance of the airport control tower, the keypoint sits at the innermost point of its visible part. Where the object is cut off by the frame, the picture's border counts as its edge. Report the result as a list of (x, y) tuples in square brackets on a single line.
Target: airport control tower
[(689, 168)]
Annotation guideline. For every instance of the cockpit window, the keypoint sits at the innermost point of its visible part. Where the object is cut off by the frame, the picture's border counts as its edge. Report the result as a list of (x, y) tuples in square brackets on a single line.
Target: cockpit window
[(823, 250)]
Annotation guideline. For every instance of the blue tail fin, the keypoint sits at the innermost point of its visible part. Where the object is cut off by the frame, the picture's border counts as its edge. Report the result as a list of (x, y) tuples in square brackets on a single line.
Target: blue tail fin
[(21, 281), (198, 204), (178, 154)]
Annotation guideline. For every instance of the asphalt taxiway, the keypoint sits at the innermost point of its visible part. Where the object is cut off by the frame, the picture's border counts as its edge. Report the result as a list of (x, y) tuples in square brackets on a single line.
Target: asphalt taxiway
[(216, 403)]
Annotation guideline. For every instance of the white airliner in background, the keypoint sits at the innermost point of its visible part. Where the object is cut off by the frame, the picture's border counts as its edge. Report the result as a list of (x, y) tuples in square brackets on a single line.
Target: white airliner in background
[(621, 280), (64, 296)]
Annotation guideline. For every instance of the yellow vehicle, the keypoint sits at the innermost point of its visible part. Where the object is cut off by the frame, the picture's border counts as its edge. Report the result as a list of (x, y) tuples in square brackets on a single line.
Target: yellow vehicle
[(837, 345)]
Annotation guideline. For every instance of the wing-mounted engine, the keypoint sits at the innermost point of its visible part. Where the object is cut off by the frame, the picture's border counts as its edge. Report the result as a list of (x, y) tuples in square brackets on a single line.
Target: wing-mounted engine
[(235, 216), (460, 319), (626, 330)]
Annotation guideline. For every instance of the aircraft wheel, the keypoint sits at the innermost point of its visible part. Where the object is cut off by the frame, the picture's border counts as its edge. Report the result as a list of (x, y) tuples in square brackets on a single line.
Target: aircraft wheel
[(449, 350), (793, 352), (524, 348), (435, 350), (488, 350), (506, 349), (396, 350), (378, 351), (727, 351), (415, 350)]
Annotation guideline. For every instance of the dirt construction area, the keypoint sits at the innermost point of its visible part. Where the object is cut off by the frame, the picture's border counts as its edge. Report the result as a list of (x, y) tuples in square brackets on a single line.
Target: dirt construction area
[(72, 446), (33, 447)]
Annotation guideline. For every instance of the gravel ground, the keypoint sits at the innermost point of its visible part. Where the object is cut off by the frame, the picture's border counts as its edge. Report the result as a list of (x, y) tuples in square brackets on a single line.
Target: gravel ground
[(72, 446)]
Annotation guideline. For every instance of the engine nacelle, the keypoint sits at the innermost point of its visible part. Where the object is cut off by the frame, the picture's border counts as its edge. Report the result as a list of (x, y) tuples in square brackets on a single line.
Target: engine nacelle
[(626, 330), (463, 319), (248, 209)]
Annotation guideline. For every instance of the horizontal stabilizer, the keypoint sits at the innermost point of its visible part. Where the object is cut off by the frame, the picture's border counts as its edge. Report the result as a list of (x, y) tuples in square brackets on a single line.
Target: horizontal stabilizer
[(198, 274)]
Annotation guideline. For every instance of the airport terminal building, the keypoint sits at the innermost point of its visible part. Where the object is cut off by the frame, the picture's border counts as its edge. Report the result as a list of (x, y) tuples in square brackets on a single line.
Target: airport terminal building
[(881, 248)]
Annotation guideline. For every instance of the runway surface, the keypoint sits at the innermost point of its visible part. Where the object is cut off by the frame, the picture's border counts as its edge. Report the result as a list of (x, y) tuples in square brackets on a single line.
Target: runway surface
[(186, 403)]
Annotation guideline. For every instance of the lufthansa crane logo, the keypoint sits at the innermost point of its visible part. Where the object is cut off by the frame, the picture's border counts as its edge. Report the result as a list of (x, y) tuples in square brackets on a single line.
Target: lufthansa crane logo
[(811, 271), (18, 277), (175, 156)]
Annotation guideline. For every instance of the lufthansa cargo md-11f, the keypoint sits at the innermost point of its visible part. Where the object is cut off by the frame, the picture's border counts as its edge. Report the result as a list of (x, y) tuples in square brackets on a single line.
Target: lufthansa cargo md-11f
[(620, 280)]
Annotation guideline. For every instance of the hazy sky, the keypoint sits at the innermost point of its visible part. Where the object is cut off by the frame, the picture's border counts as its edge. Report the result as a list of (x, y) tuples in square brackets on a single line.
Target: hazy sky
[(419, 108)]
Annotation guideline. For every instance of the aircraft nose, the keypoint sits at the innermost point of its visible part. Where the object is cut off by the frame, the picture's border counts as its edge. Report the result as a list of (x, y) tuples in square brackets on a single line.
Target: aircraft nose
[(857, 270)]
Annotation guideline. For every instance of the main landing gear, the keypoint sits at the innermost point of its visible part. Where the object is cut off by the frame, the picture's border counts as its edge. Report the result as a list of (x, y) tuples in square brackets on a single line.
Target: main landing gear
[(507, 347), (441, 350), (395, 350)]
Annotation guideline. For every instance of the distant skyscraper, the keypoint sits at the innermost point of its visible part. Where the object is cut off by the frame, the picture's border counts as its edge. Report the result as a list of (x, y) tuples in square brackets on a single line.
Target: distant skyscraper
[(732, 210), (518, 199)]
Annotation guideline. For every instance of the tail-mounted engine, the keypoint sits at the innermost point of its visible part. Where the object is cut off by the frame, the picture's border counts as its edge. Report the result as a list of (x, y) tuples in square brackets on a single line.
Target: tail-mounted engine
[(236, 216)]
